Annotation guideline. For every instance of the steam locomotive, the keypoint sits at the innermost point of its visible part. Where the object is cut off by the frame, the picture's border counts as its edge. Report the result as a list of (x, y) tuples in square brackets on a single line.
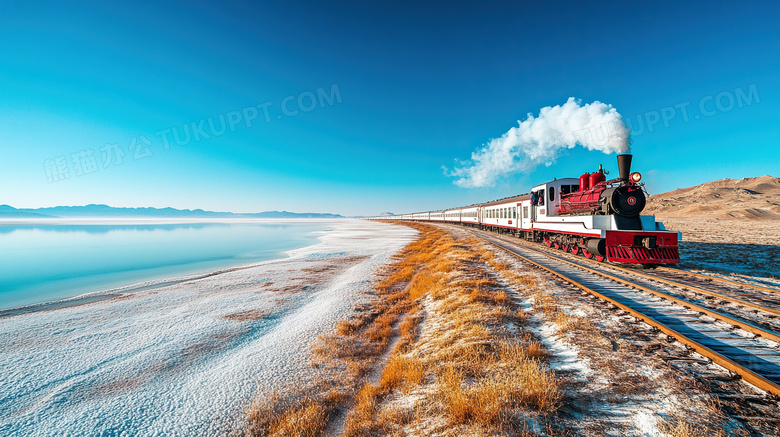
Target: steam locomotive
[(589, 216)]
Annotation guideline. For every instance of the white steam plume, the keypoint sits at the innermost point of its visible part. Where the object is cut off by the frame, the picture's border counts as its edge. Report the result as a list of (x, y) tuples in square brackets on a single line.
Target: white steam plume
[(540, 140)]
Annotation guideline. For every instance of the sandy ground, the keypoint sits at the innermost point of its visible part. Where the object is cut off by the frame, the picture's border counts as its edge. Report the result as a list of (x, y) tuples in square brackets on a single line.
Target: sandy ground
[(728, 246), (184, 359), (721, 231)]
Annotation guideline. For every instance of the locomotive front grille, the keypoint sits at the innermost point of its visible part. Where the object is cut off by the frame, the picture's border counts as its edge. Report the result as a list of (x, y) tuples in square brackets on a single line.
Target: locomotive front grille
[(642, 254)]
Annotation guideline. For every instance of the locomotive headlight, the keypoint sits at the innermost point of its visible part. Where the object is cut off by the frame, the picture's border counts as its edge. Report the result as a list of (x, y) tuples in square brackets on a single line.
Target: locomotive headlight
[(636, 176)]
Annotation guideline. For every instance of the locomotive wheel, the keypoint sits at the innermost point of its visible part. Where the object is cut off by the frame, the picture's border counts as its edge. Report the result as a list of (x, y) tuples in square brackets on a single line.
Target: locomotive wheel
[(587, 254), (557, 245), (575, 250), (565, 248), (600, 258), (548, 242)]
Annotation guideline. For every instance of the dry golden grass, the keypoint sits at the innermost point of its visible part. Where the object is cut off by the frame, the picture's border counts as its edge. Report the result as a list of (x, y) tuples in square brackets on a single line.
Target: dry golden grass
[(493, 399), (680, 427), (299, 416), (401, 371), (566, 322), (470, 369)]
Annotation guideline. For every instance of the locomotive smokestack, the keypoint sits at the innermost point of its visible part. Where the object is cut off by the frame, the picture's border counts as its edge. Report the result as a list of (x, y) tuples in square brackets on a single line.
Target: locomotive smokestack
[(624, 166)]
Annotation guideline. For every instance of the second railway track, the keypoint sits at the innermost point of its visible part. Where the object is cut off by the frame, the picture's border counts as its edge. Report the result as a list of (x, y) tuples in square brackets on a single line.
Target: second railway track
[(747, 348)]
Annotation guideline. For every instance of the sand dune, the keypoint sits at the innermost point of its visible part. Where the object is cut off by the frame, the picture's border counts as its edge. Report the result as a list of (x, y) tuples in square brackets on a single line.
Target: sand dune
[(748, 199)]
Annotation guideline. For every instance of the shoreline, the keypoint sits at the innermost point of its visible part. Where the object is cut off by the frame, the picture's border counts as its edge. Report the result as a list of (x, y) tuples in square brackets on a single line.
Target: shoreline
[(123, 291), (77, 290), (185, 358)]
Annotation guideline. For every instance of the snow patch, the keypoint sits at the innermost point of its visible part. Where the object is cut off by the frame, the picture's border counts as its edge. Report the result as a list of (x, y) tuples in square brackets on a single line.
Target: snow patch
[(566, 356)]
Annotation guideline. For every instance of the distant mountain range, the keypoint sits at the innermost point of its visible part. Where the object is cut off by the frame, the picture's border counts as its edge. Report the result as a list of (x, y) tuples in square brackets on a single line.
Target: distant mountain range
[(105, 211)]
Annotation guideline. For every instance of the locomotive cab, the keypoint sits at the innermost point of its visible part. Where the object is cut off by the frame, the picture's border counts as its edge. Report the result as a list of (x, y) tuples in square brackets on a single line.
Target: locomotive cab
[(548, 196)]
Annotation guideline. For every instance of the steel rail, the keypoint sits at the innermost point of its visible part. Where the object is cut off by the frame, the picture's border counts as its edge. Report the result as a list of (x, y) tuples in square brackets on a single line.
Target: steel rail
[(715, 278), (700, 290), (746, 374)]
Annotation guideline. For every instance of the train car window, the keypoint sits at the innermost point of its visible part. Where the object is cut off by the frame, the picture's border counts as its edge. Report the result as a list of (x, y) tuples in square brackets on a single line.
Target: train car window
[(525, 212), (552, 193), (565, 189)]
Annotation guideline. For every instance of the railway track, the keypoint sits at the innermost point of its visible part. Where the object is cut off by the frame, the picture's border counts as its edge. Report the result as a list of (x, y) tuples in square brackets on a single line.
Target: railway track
[(745, 347), (754, 305), (726, 282)]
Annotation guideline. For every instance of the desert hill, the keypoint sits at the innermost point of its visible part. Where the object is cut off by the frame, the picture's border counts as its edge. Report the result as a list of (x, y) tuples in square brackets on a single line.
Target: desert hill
[(748, 198)]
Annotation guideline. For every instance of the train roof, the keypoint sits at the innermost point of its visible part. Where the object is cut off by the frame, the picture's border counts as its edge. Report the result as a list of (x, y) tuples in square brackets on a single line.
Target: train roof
[(518, 198)]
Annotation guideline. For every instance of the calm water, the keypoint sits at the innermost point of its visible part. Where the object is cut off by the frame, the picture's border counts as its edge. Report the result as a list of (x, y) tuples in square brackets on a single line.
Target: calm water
[(43, 263)]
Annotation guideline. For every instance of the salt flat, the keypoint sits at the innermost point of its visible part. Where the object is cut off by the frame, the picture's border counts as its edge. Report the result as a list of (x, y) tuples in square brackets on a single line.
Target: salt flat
[(184, 359)]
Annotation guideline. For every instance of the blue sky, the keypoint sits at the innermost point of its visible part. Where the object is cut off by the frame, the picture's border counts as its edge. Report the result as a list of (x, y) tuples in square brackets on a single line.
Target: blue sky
[(379, 97)]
